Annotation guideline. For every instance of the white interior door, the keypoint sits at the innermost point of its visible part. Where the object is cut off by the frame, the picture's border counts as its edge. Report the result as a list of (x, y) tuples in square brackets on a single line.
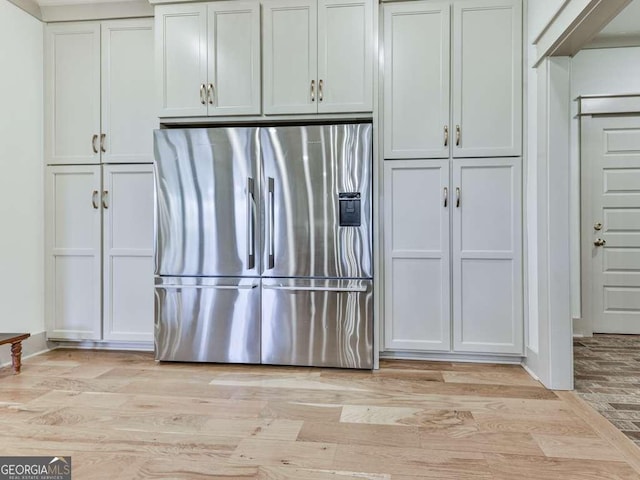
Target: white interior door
[(290, 56), (72, 99), (73, 234), (345, 56), (234, 58), (611, 223), (181, 59), (487, 256), (417, 292), (487, 78), (416, 80), (127, 202), (128, 93)]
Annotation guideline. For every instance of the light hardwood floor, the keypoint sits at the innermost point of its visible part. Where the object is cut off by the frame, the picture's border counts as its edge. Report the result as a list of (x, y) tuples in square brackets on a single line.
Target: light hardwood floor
[(120, 415)]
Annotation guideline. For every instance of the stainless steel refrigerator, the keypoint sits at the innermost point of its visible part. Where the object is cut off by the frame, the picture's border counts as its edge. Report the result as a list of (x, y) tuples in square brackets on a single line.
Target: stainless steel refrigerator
[(264, 245)]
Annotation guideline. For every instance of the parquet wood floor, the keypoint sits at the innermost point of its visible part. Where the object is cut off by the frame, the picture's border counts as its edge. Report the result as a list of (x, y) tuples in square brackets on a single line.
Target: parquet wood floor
[(120, 415)]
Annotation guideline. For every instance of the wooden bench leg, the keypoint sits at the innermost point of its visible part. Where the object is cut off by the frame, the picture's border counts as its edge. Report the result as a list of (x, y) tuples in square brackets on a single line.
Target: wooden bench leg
[(16, 357)]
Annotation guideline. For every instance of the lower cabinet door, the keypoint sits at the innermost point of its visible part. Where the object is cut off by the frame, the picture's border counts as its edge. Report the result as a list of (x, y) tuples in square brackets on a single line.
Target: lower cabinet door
[(207, 319), (127, 205), (324, 323), (487, 256), (73, 237), (416, 255)]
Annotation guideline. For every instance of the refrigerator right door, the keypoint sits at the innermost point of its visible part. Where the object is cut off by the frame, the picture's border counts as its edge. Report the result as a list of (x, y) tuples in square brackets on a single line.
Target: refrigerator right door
[(321, 323), (317, 182), (207, 202)]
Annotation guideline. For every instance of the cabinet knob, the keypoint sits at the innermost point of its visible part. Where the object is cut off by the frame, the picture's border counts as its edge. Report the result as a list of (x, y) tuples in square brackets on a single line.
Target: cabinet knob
[(600, 242)]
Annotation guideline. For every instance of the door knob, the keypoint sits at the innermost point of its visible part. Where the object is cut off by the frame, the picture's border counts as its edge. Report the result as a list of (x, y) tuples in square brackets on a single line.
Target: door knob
[(600, 242)]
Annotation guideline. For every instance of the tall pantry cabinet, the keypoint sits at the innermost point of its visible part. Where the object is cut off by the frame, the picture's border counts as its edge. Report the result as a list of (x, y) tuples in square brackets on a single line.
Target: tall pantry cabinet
[(452, 132), (99, 119)]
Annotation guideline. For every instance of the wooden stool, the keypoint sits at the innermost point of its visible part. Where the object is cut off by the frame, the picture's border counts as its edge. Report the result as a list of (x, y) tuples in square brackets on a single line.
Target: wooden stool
[(15, 339)]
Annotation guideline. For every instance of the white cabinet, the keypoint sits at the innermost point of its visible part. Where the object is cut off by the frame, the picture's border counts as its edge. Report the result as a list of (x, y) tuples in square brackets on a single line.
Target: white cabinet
[(99, 218), (72, 83), (476, 307), (80, 254), (73, 240), (416, 270), (487, 256), (99, 92), (416, 80), (128, 252), (484, 91), (318, 56), (208, 58)]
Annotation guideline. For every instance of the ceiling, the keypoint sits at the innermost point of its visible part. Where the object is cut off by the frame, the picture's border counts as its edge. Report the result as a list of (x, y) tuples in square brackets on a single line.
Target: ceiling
[(622, 31)]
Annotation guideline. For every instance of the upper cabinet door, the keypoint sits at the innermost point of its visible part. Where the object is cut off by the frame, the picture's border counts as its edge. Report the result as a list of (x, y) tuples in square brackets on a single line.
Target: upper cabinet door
[(345, 56), (181, 59), (128, 101), (290, 56), (416, 80), (234, 58), (72, 107), (487, 72)]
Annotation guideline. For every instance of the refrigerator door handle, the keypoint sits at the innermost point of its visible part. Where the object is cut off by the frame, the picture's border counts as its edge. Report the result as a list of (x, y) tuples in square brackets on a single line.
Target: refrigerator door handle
[(272, 221), (251, 234), (314, 289), (207, 287)]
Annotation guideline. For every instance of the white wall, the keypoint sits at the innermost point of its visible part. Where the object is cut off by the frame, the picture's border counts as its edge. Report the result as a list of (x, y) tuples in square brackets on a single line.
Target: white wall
[(21, 173), (594, 72)]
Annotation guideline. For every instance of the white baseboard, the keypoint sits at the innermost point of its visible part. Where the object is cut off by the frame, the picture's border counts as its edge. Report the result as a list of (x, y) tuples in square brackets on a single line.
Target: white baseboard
[(32, 346), (94, 345), (453, 357)]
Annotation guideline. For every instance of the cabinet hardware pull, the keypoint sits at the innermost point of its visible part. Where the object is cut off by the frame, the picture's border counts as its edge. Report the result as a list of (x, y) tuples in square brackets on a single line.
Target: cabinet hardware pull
[(203, 89), (446, 135), (320, 92), (105, 198), (600, 242), (211, 93), (446, 197), (94, 199), (458, 135), (457, 197), (102, 138), (94, 139), (313, 90)]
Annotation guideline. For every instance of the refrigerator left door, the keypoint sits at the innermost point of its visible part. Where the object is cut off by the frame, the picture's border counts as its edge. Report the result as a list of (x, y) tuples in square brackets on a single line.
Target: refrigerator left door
[(207, 320), (207, 202)]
